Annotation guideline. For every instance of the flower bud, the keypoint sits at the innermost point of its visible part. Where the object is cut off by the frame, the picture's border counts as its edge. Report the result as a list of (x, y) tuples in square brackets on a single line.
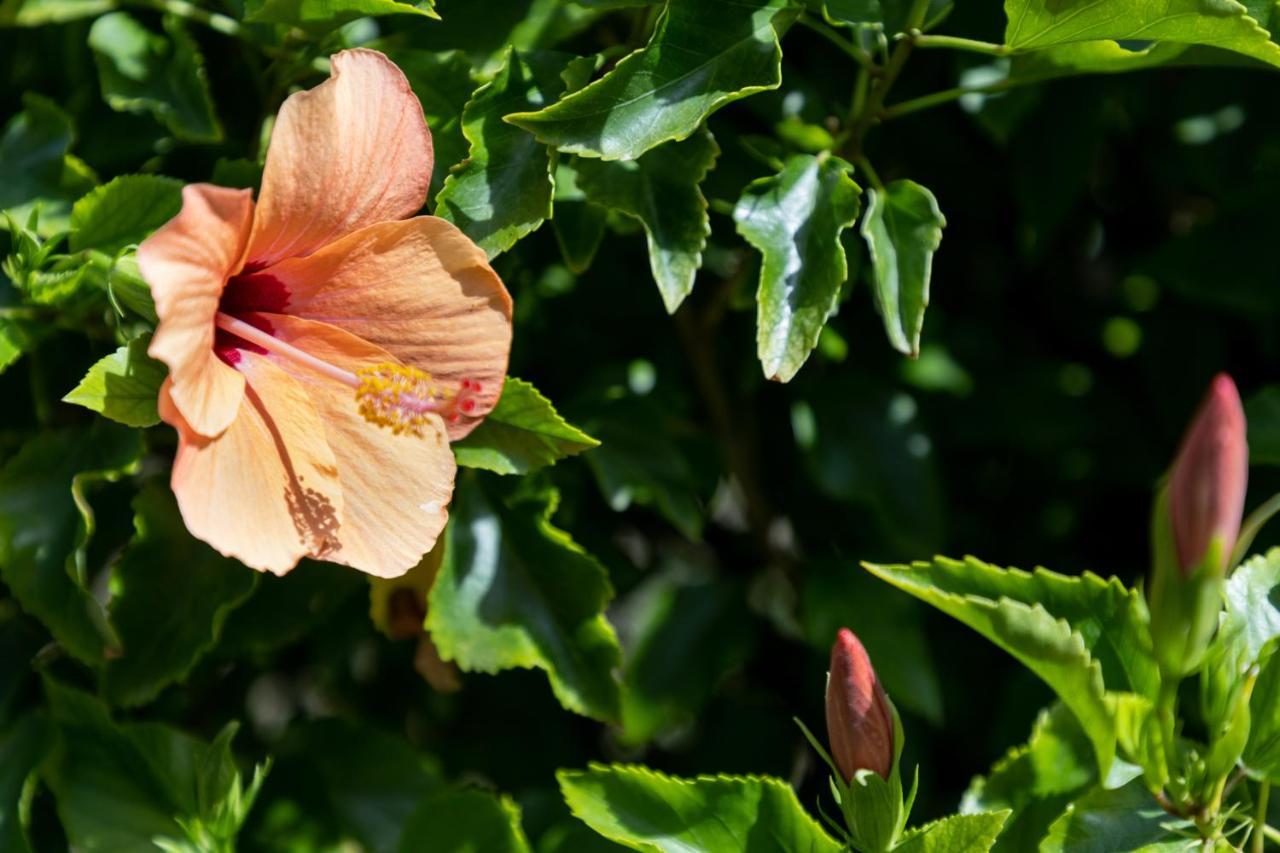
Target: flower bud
[(859, 719), (1207, 482)]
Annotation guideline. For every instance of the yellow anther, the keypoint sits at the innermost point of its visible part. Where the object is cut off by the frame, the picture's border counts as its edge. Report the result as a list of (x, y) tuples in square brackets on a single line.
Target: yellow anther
[(401, 398)]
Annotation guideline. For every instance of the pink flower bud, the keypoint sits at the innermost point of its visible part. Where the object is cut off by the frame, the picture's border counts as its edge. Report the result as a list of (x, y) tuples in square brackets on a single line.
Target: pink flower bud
[(1207, 483), (859, 721)]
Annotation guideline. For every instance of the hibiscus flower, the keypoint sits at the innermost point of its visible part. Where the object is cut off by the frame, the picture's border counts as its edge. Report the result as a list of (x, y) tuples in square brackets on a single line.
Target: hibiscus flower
[(325, 344)]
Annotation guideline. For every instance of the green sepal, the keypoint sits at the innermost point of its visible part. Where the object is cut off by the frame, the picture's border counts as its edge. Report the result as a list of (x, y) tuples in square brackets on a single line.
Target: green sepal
[(1184, 609)]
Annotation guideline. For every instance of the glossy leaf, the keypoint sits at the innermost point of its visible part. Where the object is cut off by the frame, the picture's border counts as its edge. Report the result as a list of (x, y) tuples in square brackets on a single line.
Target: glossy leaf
[(465, 821), (795, 219), (903, 228), (142, 71), (503, 190), (650, 811), (661, 190), (123, 211), (1226, 24), (523, 433), (1262, 751), (46, 522), (969, 832), (173, 594), (703, 55), (1125, 820), (326, 14), (35, 167), (515, 591), (1042, 619), (123, 386)]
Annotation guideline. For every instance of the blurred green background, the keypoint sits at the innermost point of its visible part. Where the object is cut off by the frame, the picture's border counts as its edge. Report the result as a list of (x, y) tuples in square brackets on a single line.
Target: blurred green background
[(1111, 244)]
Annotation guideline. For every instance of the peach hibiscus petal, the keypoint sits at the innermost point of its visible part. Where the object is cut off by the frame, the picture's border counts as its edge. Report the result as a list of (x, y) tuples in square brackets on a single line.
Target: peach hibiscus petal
[(265, 491), (396, 488), (353, 151), (419, 289), (186, 263)]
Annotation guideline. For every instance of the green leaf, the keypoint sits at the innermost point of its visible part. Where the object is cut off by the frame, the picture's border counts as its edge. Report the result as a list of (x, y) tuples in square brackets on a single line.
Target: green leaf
[(1043, 620), (1124, 820), (1262, 413), (22, 749), (650, 811), (853, 13), (123, 211), (972, 833), (795, 219), (515, 591), (35, 13), (122, 788), (703, 55), (35, 168), (17, 336), (903, 228), (466, 821), (46, 523), (1038, 24), (523, 433), (1251, 602), (660, 189), (127, 288), (1262, 752), (173, 594), (123, 386), (141, 71), (685, 638), (503, 190), (319, 15), (443, 84), (578, 224), (370, 781), (1035, 780)]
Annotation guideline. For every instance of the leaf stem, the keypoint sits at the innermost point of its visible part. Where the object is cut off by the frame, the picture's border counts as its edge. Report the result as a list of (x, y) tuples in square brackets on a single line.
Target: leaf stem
[(1259, 841), (867, 169), (958, 43), (946, 96), (1251, 526), (224, 24), (847, 47)]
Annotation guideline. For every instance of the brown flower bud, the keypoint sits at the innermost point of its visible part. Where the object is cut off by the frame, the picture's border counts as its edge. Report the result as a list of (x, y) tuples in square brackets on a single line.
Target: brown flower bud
[(859, 719)]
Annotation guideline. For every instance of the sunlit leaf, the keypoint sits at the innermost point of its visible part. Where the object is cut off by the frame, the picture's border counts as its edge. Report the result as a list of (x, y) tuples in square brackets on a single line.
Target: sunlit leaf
[(703, 55), (650, 811), (123, 211), (661, 191), (515, 591), (522, 433), (123, 386), (795, 219), (325, 14), (903, 228)]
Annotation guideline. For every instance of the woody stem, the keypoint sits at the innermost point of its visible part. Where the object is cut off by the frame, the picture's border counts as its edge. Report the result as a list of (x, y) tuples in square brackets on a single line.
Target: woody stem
[(269, 342)]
